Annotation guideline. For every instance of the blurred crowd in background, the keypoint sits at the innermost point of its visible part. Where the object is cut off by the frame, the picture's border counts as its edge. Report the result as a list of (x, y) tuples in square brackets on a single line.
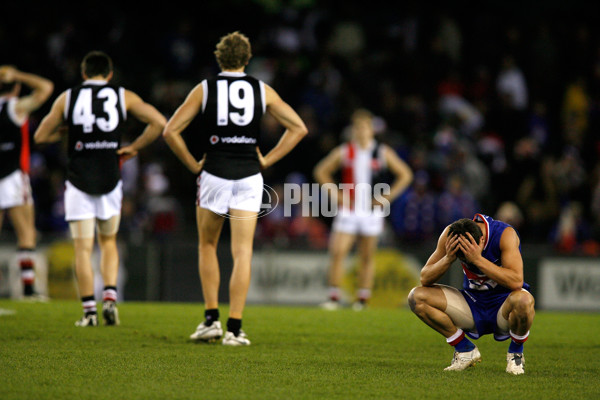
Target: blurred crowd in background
[(496, 108)]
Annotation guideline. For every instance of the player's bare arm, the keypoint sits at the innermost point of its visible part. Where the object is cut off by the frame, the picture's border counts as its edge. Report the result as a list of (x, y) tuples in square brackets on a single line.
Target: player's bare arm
[(441, 259), (510, 275), (48, 131), (402, 172), (41, 89), (178, 122), (295, 129), (324, 170), (147, 114)]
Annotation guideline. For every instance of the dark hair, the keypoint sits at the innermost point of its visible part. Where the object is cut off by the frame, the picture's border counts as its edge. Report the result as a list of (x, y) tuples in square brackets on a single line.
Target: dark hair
[(96, 63), (233, 51), (461, 227)]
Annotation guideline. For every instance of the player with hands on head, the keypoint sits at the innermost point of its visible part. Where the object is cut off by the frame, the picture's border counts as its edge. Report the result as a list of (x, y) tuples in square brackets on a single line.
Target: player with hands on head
[(94, 114), (494, 298), (15, 189)]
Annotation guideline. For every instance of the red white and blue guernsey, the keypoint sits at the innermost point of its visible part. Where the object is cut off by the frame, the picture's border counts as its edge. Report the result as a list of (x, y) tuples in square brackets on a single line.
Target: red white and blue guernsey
[(484, 295), (474, 279)]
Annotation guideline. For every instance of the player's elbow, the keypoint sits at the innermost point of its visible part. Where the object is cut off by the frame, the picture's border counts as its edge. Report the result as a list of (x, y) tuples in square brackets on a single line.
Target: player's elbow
[(161, 123), (516, 285), (167, 132), (301, 131), (47, 90), (39, 137), (426, 280)]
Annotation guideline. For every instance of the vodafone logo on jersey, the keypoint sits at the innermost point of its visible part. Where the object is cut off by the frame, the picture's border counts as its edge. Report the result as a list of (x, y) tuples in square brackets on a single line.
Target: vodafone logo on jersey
[(79, 146), (214, 139)]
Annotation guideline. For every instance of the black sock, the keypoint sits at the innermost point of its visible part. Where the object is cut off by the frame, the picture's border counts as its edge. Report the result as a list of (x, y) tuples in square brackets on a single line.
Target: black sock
[(234, 326), (89, 305), (211, 316)]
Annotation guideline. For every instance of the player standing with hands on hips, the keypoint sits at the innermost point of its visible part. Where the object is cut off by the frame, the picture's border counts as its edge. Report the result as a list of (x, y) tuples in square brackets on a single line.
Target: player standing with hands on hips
[(362, 161), (494, 299), (95, 113), (230, 185), (15, 189)]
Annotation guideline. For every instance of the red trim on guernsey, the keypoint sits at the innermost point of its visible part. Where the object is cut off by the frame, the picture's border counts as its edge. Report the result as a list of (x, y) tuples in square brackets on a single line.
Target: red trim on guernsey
[(348, 168), (348, 163), (25, 150), (487, 228)]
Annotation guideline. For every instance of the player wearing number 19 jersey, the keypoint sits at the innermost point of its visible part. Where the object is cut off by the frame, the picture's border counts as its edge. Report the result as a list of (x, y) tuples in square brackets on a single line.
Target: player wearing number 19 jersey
[(93, 114), (229, 108)]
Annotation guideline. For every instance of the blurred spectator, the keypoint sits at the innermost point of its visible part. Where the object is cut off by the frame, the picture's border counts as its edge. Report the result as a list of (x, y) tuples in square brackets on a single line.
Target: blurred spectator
[(511, 85), (413, 215), (575, 113), (571, 230), (510, 213), (455, 202), (161, 208)]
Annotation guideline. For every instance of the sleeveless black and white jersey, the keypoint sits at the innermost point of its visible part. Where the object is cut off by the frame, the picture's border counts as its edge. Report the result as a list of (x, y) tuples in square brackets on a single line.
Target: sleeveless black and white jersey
[(233, 104), (14, 139), (95, 113)]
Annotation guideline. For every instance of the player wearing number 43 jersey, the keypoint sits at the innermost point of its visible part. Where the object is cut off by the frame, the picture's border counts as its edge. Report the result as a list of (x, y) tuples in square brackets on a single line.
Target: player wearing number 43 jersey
[(229, 108), (93, 114)]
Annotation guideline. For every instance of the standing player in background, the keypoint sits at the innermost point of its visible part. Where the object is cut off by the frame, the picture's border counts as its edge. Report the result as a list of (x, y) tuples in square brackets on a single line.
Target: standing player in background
[(363, 161), (494, 299), (230, 106), (95, 113), (15, 189)]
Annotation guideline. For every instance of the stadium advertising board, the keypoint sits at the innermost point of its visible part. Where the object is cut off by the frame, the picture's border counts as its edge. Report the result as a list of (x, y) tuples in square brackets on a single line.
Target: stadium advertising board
[(569, 284)]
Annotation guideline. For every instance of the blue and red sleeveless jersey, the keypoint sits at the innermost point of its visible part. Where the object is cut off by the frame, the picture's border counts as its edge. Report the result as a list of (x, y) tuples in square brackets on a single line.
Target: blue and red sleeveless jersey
[(474, 278)]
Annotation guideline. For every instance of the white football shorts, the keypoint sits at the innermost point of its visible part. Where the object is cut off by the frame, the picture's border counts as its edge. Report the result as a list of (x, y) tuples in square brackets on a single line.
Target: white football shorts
[(359, 223), (220, 195), (15, 190), (80, 205)]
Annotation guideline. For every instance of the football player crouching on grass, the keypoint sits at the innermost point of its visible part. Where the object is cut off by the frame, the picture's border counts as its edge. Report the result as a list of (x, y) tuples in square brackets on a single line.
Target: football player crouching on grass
[(494, 299)]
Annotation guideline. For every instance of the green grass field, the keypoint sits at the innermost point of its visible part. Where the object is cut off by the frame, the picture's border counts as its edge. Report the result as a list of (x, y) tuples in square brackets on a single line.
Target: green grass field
[(296, 353)]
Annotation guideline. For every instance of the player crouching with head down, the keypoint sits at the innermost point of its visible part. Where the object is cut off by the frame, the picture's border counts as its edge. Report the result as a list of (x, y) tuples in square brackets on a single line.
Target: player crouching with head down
[(494, 298)]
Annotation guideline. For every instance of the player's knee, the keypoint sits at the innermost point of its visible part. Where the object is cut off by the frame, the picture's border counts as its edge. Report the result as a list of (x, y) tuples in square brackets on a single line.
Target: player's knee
[(415, 299), (523, 303)]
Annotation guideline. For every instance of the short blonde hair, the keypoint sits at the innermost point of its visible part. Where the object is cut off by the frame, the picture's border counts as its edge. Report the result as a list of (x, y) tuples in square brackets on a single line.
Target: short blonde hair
[(362, 113), (233, 51)]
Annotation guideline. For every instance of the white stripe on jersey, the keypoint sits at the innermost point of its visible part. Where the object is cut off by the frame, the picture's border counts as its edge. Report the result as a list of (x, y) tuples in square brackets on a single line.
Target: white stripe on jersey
[(263, 96), (123, 106), (67, 103), (204, 84), (11, 109)]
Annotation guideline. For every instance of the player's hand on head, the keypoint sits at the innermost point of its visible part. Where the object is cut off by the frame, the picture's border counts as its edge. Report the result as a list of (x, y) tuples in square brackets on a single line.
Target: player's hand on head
[(452, 246), (470, 248)]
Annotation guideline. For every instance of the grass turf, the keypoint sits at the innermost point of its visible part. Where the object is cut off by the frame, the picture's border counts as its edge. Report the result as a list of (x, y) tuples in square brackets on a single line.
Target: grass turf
[(296, 353)]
